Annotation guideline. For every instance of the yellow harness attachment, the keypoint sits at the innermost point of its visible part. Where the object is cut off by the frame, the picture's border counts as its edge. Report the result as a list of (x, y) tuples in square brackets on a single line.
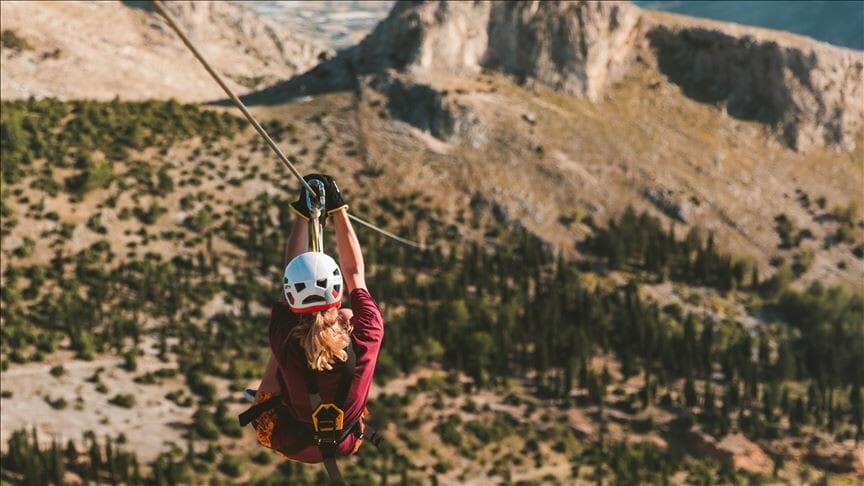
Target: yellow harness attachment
[(328, 418)]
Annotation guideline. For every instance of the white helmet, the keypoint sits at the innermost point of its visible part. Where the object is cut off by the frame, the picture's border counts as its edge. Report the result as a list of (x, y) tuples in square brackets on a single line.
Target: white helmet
[(312, 283)]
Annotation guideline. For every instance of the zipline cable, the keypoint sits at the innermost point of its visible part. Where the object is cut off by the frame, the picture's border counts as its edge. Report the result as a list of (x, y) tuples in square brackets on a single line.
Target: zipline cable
[(282, 157)]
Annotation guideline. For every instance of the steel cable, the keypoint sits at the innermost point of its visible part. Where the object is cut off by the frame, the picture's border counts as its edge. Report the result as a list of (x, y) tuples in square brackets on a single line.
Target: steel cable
[(282, 157)]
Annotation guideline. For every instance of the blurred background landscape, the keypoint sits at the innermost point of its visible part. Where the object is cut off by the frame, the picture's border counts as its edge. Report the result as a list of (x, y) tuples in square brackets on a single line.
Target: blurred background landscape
[(644, 242)]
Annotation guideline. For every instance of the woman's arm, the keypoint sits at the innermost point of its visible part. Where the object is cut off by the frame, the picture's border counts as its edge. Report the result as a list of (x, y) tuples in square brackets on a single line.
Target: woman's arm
[(350, 255), (298, 240), (270, 381)]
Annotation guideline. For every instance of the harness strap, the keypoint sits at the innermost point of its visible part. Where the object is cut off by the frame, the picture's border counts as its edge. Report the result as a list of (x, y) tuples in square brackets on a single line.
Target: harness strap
[(327, 418), (256, 410), (347, 376), (328, 439), (333, 471)]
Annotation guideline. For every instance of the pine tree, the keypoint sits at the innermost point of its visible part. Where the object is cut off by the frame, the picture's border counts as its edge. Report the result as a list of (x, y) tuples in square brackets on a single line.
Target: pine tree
[(707, 343), (785, 367), (857, 404), (798, 416), (690, 391), (58, 466), (785, 403)]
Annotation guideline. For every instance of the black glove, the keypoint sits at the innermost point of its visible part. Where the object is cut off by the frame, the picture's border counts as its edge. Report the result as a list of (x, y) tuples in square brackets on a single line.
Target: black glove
[(332, 196)]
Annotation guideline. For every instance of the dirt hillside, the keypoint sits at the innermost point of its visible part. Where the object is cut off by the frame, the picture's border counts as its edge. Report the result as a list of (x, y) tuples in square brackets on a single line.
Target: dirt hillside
[(544, 113), (102, 50)]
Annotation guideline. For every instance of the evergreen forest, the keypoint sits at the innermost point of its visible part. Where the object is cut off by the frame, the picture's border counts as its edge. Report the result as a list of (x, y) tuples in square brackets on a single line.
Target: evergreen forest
[(508, 317)]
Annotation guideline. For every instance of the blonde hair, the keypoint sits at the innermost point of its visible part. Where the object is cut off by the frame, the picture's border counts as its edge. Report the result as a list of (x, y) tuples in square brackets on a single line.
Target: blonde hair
[(324, 337)]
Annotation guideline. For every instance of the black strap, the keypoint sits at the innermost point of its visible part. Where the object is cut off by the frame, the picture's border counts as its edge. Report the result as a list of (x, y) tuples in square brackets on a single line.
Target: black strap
[(256, 410), (253, 412), (347, 377), (329, 447)]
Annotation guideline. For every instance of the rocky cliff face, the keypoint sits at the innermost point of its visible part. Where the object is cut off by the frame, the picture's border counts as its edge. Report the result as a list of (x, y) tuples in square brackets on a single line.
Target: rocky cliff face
[(577, 47), (431, 36), (105, 49), (809, 93)]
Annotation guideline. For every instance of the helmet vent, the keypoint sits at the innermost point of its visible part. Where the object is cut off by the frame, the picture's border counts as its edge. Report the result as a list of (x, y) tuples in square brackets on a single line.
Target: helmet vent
[(336, 288), (321, 283), (336, 272), (314, 298), (299, 286)]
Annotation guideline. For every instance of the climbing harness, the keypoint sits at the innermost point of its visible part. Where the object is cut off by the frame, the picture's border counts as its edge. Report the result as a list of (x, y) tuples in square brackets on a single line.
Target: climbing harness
[(328, 418), (328, 428), (157, 5)]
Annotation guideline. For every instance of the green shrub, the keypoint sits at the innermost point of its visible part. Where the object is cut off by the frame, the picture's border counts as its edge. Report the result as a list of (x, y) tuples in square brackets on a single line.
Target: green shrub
[(227, 422), (206, 391), (802, 262), (845, 233), (130, 360), (124, 400), (230, 466), (11, 40), (25, 249), (56, 404), (449, 431), (96, 177), (786, 231), (204, 425), (262, 457), (151, 214)]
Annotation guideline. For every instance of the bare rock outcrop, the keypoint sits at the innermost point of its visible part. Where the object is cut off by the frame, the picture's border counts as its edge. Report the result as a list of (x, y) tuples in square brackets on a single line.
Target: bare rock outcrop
[(578, 47), (674, 205), (428, 36), (100, 50), (434, 111), (810, 95)]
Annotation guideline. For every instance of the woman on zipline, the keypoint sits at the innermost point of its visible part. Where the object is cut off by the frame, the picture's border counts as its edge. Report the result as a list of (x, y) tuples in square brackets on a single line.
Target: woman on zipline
[(312, 398)]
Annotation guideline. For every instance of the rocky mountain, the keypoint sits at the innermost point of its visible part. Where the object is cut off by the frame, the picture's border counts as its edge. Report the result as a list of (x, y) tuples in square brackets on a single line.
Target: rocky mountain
[(811, 94), (102, 50), (808, 93), (712, 124), (549, 335), (578, 48)]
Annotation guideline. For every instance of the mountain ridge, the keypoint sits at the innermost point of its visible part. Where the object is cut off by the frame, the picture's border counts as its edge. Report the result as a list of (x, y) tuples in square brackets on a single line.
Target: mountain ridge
[(806, 91)]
